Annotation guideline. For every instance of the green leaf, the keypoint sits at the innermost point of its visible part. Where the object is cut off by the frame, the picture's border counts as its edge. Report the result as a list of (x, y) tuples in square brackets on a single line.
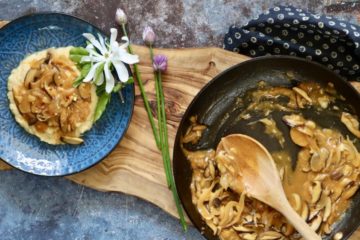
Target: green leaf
[(101, 105), (117, 87), (76, 53), (98, 72), (83, 72), (76, 58), (100, 89), (85, 69), (111, 67), (79, 51), (78, 81)]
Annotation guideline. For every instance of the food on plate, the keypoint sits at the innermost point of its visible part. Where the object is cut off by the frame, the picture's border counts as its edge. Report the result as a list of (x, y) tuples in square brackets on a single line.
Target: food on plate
[(319, 188), (44, 101)]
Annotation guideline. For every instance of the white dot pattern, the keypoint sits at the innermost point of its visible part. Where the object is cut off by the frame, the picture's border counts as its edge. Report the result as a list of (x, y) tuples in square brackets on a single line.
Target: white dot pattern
[(291, 31)]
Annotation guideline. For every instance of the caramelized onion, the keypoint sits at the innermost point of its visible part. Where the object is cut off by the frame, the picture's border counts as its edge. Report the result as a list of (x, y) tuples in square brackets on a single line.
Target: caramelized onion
[(47, 99)]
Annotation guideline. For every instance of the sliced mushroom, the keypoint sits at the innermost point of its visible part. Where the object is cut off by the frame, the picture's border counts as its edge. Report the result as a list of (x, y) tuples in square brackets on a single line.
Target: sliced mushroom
[(336, 175), (318, 160), (85, 91), (307, 131), (300, 101), (315, 192), (30, 77), (302, 93), (315, 223), (351, 123), (243, 229), (298, 137), (72, 140), (305, 212), (345, 182), (270, 235), (313, 213), (310, 124), (350, 192), (249, 236), (63, 120), (50, 89), (294, 120), (328, 208)]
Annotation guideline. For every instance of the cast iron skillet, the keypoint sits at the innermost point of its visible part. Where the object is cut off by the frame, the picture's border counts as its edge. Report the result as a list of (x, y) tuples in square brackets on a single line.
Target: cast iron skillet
[(217, 99)]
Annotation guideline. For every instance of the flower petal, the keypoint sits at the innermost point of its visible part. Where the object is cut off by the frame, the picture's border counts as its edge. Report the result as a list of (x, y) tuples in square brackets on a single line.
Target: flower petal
[(92, 59), (126, 44), (113, 37), (91, 73), (121, 71), (102, 41), (91, 50), (109, 78), (94, 42), (128, 58)]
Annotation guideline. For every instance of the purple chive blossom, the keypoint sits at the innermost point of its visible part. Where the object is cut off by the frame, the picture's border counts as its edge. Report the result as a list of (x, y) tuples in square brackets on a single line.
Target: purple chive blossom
[(120, 17), (160, 63), (148, 36)]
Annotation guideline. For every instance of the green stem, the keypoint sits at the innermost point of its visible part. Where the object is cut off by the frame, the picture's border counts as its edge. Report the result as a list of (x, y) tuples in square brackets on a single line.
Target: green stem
[(163, 132), (143, 94), (160, 125), (167, 156), (159, 116), (152, 54)]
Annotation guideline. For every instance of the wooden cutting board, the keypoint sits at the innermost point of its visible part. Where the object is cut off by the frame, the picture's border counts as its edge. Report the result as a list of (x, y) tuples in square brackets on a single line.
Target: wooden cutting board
[(135, 166)]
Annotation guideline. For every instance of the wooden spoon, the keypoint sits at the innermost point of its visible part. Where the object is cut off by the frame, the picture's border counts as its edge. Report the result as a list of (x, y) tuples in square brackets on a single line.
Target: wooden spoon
[(253, 170)]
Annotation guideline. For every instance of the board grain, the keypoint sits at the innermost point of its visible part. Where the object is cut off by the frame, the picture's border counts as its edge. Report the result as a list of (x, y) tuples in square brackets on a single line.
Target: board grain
[(135, 166)]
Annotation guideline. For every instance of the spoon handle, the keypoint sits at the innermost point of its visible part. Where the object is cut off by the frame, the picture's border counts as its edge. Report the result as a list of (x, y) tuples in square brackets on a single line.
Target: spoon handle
[(299, 224)]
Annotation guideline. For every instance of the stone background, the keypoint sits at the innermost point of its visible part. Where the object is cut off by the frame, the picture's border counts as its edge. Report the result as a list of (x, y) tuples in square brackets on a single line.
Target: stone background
[(33, 207)]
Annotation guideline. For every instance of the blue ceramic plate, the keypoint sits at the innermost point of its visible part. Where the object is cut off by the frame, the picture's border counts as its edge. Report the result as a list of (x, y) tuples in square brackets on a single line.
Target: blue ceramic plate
[(26, 152)]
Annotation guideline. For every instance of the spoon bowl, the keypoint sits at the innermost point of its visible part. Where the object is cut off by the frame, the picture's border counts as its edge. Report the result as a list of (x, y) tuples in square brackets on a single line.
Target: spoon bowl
[(251, 168)]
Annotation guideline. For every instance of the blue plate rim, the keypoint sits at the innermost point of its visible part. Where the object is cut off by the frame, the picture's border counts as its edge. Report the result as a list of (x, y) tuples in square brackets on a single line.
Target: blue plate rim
[(12, 22)]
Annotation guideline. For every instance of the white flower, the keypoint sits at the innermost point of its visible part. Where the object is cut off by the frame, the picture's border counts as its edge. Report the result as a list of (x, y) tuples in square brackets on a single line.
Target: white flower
[(103, 55)]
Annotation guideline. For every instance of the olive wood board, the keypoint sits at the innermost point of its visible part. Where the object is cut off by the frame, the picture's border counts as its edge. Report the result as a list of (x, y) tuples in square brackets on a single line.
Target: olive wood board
[(135, 167)]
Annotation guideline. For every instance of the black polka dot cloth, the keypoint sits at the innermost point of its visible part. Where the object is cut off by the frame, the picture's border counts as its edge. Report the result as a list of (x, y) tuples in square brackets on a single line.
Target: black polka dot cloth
[(292, 31)]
